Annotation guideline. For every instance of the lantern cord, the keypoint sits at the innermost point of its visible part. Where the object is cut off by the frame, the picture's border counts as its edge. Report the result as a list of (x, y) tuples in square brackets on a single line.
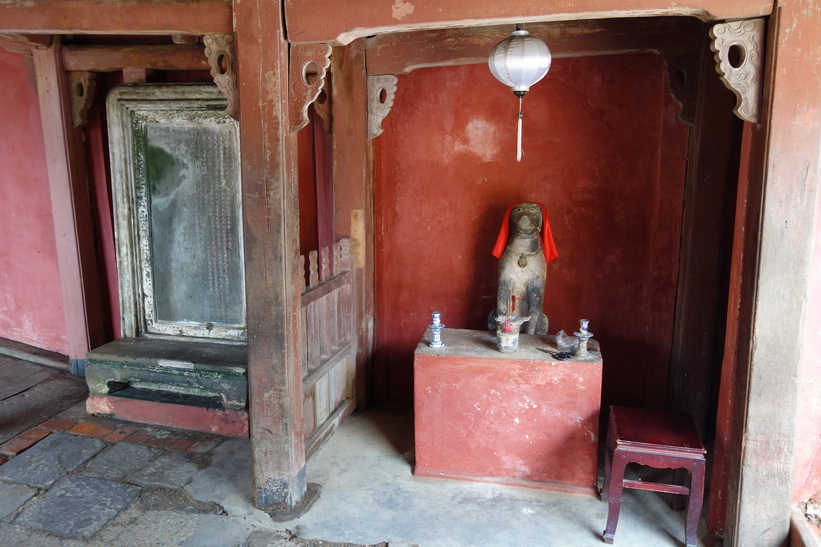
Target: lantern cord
[(519, 133)]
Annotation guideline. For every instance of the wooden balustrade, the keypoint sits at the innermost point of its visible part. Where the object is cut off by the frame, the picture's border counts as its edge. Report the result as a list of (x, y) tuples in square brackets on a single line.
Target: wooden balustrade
[(328, 364)]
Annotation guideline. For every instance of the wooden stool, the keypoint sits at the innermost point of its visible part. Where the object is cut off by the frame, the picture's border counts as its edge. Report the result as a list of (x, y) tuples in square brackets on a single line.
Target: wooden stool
[(658, 439)]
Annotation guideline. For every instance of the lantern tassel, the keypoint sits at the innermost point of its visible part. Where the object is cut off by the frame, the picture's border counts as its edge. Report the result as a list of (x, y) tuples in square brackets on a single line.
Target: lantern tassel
[(519, 133)]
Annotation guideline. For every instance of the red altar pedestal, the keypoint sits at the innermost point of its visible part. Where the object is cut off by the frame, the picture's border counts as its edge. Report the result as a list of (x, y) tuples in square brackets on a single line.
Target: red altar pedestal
[(520, 418)]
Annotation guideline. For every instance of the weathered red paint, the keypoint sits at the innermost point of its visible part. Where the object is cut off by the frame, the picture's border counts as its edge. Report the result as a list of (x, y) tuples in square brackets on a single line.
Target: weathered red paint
[(605, 155), (308, 238), (402, 52), (801, 124), (229, 422), (523, 418), (353, 194), (97, 143), (71, 208), (29, 273), (784, 162), (155, 57), (807, 474), (118, 17), (308, 20), (746, 220), (270, 204)]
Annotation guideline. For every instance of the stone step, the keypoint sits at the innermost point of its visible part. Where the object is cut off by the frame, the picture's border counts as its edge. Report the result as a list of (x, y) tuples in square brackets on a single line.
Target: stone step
[(191, 373)]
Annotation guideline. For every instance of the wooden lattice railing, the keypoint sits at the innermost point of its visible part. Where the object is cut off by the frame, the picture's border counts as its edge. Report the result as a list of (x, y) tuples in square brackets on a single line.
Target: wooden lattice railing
[(328, 354)]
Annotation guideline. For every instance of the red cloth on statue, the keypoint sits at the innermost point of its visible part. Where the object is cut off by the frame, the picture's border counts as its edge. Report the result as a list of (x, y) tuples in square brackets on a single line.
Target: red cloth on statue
[(549, 247)]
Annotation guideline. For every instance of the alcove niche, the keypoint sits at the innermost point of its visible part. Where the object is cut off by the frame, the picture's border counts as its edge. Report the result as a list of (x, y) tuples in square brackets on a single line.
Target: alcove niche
[(177, 213), (631, 144)]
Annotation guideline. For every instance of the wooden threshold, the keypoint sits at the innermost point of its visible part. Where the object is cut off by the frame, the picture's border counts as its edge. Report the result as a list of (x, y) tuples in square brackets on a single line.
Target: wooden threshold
[(33, 354)]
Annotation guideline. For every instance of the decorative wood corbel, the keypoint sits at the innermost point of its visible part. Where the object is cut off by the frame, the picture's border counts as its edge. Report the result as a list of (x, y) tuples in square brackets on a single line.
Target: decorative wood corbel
[(83, 88), (308, 66), (322, 106), (381, 91), (738, 53), (682, 81), (221, 51)]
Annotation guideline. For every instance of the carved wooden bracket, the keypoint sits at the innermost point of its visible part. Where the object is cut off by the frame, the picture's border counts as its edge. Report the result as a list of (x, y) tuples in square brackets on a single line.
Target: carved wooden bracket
[(308, 66), (221, 51), (83, 87), (682, 80), (322, 106), (738, 53), (381, 91)]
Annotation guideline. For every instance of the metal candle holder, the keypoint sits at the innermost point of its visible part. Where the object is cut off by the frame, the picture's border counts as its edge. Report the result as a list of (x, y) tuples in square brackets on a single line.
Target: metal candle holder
[(583, 335), (436, 328)]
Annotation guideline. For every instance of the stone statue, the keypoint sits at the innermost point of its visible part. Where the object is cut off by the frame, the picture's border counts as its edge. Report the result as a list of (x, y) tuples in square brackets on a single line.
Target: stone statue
[(524, 247)]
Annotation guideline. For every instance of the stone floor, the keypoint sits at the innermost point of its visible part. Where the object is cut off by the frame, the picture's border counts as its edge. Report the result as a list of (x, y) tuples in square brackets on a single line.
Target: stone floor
[(77, 480)]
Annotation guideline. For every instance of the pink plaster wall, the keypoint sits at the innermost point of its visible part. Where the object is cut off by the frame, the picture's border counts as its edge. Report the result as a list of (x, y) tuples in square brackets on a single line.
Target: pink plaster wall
[(605, 155), (31, 309), (807, 473)]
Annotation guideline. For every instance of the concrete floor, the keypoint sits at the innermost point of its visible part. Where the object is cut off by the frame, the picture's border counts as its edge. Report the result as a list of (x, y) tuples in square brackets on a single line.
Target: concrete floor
[(369, 495)]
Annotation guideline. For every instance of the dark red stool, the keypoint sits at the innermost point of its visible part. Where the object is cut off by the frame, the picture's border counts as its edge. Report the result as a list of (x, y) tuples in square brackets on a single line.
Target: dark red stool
[(657, 439)]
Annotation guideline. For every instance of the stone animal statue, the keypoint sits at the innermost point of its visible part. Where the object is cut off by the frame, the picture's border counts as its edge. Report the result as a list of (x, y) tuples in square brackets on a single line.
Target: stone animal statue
[(524, 247)]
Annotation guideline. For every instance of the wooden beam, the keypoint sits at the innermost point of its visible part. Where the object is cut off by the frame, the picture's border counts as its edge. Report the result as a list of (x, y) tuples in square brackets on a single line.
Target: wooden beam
[(113, 58), (272, 262), (400, 53), (116, 17), (71, 209), (785, 155), (308, 20)]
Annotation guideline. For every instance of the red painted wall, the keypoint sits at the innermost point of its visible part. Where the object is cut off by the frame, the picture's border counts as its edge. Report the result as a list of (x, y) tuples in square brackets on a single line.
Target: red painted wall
[(308, 238), (606, 156), (31, 309)]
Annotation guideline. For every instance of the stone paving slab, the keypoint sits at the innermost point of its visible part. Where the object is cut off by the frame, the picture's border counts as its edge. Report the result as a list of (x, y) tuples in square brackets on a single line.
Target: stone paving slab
[(12, 496), (78, 506), (169, 470), (121, 460), (49, 460)]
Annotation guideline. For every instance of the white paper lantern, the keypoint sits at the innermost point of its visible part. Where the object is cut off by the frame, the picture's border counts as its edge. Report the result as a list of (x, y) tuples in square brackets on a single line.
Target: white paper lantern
[(519, 62)]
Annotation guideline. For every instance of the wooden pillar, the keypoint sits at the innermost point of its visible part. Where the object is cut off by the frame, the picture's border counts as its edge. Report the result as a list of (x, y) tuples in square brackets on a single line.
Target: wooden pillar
[(353, 193), (785, 153), (272, 266), (71, 209), (737, 336)]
